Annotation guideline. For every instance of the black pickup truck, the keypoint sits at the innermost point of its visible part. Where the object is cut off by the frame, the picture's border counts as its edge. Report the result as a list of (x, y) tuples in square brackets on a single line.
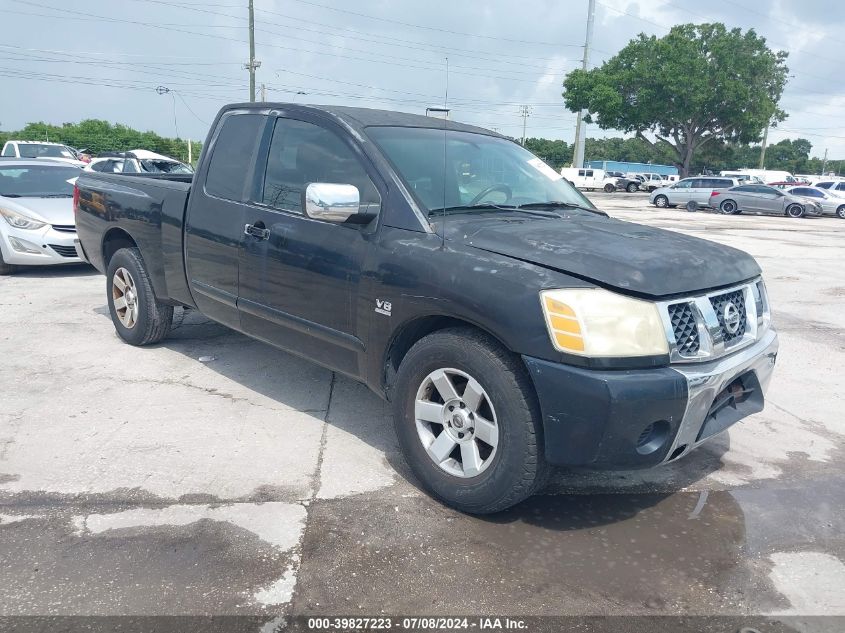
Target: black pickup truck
[(510, 323)]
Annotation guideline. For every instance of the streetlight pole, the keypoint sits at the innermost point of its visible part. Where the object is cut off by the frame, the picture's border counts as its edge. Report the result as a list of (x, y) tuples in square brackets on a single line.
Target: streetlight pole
[(580, 127)]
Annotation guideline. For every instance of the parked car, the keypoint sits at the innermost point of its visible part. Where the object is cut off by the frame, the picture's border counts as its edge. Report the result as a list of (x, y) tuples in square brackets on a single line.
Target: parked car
[(38, 149), (830, 184), (763, 199), (623, 182), (691, 192), (510, 323), (651, 181), (37, 226), (136, 162), (831, 203)]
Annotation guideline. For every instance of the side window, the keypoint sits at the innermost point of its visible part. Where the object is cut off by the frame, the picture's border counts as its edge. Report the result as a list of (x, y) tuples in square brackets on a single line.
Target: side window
[(824, 185), (683, 184), (231, 156), (744, 188), (840, 186), (129, 166), (302, 153), (589, 173), (9, 150), (698, 183), (582, 172)]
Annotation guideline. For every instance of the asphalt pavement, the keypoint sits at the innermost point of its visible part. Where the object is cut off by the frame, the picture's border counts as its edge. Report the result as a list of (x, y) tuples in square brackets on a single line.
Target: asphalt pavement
[(214, 475)]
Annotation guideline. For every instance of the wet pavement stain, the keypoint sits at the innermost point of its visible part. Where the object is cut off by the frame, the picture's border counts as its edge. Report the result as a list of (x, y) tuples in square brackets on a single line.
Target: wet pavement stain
[(648, 554)]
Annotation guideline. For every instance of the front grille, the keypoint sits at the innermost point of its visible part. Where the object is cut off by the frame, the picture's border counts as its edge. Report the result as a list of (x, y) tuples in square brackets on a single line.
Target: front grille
[(720, 302), (64, 228), (685, 328), (64, 251)]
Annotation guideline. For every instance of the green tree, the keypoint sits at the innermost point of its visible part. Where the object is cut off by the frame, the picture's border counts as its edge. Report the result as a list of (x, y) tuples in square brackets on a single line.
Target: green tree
[(556, 153), (101, 136), (696, 85)]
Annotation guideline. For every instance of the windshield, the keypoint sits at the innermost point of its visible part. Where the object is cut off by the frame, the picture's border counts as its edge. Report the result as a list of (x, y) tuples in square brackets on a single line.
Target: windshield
[(37, 182), (37, 150), (165, 167), (471, 169)]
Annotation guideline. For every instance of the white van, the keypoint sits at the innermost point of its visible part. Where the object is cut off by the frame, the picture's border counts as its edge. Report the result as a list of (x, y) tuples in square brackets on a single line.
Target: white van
[(589, 179), (764, 176)]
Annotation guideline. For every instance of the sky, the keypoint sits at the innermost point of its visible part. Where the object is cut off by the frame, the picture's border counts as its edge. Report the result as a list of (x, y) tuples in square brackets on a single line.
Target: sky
[(64, 62)]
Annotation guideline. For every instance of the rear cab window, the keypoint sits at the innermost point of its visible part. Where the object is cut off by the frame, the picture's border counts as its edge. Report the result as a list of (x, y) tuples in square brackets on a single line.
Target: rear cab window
[(231, 157)]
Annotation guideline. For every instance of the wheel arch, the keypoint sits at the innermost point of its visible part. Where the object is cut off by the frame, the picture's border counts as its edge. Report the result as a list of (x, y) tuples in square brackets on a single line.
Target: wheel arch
[(407, 335), (113, 240)]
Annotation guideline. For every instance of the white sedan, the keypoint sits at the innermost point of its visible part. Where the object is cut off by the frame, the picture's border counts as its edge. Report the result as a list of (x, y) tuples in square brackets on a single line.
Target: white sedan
[(833, 202), (37, 225)]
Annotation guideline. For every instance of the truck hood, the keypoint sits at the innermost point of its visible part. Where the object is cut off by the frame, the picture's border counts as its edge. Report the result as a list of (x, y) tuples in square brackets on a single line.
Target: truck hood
[(49, 210), (630, 257)]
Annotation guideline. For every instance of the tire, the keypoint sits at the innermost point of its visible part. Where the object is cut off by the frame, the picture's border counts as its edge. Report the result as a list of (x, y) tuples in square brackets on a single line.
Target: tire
[(501, 478), (691, 206), (632, 187), (795, 211), (662, 202), (840, 212), (728, 207), (608, 188), (6, 269), (138, 317)]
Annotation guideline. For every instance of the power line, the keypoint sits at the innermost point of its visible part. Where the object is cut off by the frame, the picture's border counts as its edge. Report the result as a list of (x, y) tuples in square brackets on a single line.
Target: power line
[(377, 60), (432, 28)]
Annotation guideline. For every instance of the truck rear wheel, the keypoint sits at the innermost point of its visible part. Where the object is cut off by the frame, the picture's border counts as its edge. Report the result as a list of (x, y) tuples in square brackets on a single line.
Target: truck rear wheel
[(468, 421), (138, 317)]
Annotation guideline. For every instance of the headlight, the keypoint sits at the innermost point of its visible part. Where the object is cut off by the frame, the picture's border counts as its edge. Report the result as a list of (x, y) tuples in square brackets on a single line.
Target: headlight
[(20, 221), (595, 323)]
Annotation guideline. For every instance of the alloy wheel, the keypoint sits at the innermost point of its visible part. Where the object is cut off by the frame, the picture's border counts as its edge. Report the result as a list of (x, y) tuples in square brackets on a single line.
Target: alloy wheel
[(125, 298), (456, 422)]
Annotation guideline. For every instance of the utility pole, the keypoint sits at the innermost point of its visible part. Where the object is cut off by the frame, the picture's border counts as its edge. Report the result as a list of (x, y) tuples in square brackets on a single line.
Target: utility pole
[(253, 65), (763, 148), (824, 162), (190, 154), (263, 92), (580, 131), (524, 112)]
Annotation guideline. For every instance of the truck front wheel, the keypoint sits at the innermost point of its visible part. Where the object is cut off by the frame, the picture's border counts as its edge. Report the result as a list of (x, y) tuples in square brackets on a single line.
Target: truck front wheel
[(468, 421), (138, 317)]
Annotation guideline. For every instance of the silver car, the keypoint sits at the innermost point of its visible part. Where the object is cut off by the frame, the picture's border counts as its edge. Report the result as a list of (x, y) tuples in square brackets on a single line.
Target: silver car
[(690, 191), (37, 225), (762, 199), (832, 204)]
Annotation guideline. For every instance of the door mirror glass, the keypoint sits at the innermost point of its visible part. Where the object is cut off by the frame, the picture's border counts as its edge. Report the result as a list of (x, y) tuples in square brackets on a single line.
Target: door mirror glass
[(333, 202)]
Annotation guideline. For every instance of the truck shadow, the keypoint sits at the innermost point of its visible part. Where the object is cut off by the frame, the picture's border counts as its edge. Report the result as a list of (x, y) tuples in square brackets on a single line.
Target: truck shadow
[(297, 383)]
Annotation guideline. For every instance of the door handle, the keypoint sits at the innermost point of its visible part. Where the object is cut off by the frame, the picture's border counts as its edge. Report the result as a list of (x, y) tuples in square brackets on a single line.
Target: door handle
[(257, 230)]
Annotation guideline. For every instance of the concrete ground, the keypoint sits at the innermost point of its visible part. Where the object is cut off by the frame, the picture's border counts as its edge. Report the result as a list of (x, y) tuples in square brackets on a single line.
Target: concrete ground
[(214, 475)]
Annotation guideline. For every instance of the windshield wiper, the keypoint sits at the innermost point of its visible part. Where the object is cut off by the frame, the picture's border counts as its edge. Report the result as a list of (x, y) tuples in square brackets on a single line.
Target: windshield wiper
[(57, 195), (557, 204), (471, 207), (11, 195)]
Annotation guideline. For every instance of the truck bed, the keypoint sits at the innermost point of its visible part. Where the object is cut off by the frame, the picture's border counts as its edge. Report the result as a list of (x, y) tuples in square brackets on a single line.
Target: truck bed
[(150, 208)]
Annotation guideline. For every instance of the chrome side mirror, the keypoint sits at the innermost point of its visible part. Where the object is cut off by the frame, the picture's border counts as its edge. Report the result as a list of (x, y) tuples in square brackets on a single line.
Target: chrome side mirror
[(332, 202)]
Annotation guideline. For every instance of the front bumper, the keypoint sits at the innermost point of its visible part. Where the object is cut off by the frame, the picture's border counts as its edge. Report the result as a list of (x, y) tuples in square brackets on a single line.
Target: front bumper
[(622, 419), (45, 246)]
